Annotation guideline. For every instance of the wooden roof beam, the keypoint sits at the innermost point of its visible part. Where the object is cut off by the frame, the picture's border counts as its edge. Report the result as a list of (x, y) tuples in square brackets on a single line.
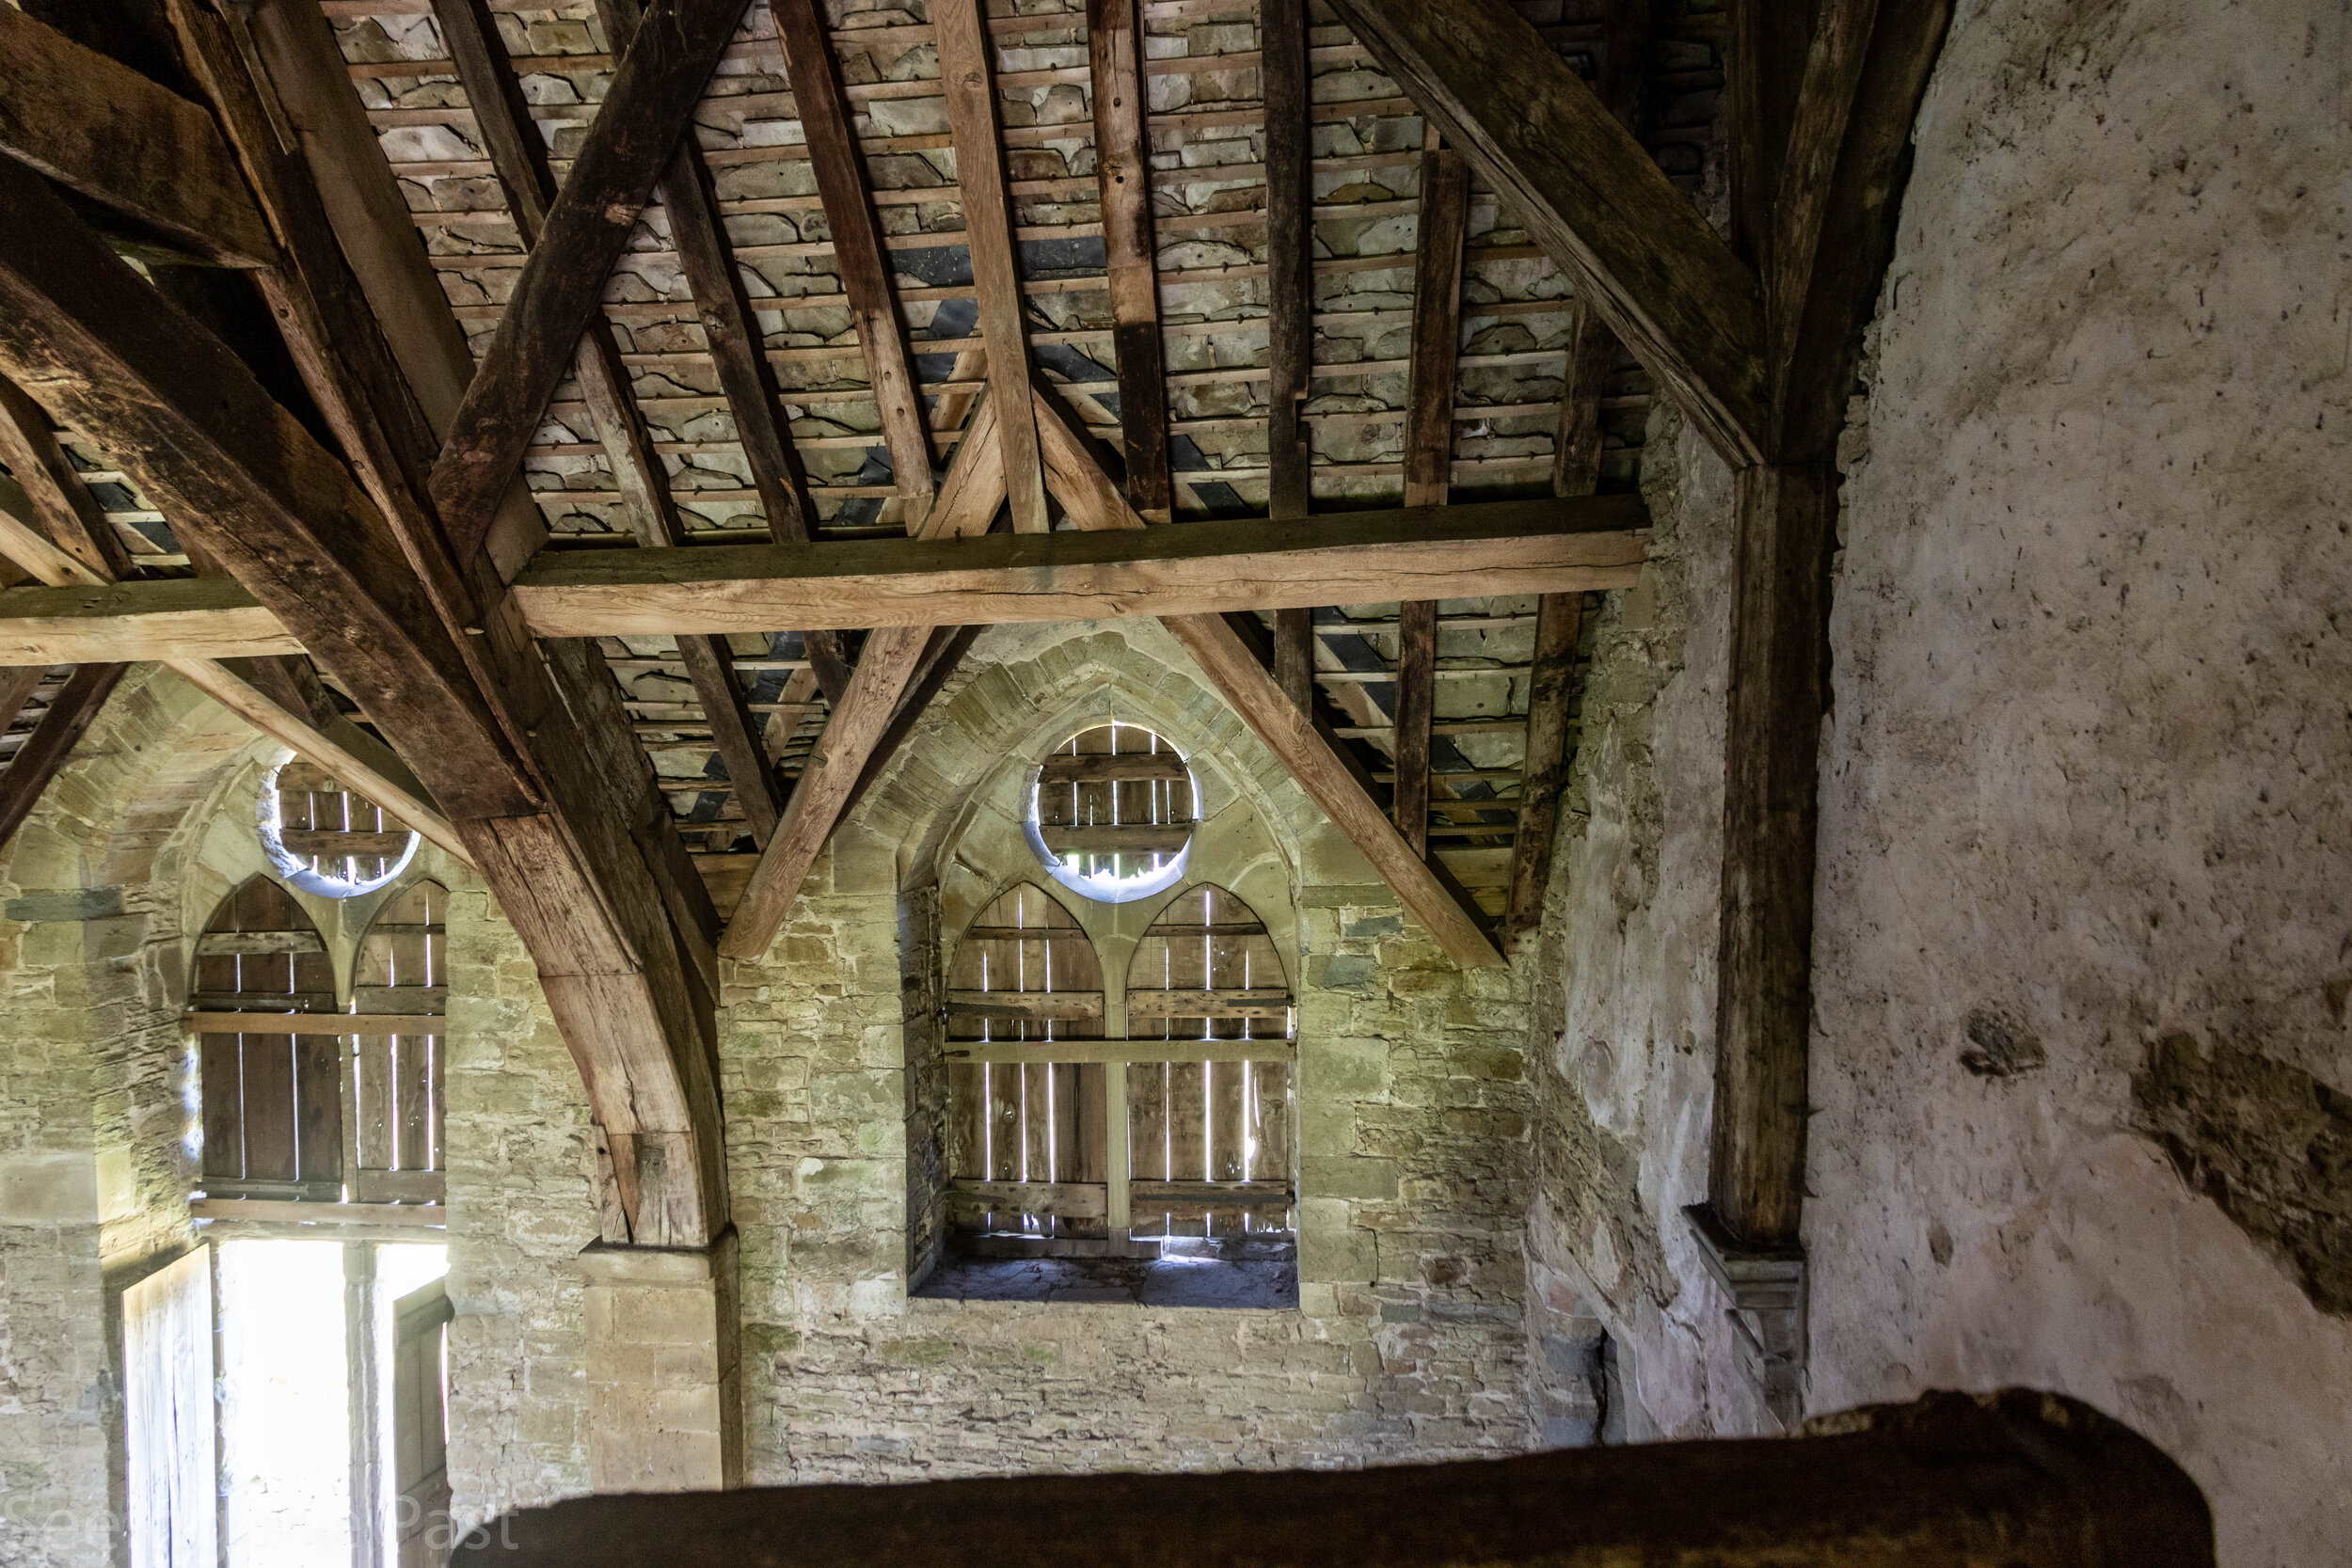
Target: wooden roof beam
[(968, 78), (1525, 547), (1290, 289), (645, 110), (100, 128), (1691, 311), (519, 154), (1122, 167), (839, 166)]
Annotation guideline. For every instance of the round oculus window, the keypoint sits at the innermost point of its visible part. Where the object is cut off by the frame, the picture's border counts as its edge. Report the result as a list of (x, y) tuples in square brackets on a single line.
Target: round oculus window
[(1112, 812), (327, 839)]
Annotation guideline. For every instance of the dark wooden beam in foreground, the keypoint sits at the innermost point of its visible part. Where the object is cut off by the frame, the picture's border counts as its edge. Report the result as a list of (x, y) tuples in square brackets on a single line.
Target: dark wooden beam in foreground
[(1953, 1480), (1689, 308), (103, 130)]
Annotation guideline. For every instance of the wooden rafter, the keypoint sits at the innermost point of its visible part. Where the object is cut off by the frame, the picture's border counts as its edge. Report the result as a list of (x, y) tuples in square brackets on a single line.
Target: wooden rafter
[(561, 287), (968, 79), (866, 279), (1524, 546), (1290, 251), (51, 743), (103, 130), (1122, 170), (1540, 546), (1544, 767), (1691, 310), (77, 529), (519, 154)]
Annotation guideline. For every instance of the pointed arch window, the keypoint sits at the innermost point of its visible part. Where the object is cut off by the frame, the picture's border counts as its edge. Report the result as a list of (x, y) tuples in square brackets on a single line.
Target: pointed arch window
[(1028, 1131), (1089, 1112), (272, 1098), (1209, 1127)]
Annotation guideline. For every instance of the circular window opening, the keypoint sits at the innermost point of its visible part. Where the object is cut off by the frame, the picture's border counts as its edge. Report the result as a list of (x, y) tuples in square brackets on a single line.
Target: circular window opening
[(325, 839), (1111, 813)]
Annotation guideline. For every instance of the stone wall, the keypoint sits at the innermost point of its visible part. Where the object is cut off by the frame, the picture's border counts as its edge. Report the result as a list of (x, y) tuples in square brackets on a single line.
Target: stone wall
[(2080, 1059), (1408, 1342), (1623, 1047), (118, 863), (520, 1211)]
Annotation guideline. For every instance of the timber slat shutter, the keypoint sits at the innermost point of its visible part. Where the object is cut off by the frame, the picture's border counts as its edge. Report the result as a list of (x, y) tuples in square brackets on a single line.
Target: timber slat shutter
[(1209, 1142), (398, 1078), (272, 1102), (1021, 1125)]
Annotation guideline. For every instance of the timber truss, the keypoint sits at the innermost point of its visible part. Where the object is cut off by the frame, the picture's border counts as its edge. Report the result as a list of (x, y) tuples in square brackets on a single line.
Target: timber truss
[(594, 434)]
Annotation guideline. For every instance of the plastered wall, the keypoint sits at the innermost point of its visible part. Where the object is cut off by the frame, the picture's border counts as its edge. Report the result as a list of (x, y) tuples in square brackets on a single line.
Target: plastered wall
[(2080, 1052)]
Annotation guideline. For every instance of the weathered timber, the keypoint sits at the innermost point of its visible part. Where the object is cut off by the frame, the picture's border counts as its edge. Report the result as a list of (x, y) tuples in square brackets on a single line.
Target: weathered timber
[(1815, 133), (1784, 522), (1295, 656), (1125, 768), (1416, 708), (1121, 1051), (866, 279), (1437, 327), (76, 527), (37, 761), (1830, 306), (94, 343), (1201, 568), (1132, 838), (1290, 255), (883, 674), (1039, 1005), (103, 130), (967, 78), (1950, 1481), (645, 109), (1784, 534), (1763, 74), (602, 892), (1552, 692), (1122, 171), (1690, 309), (370, 220)]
